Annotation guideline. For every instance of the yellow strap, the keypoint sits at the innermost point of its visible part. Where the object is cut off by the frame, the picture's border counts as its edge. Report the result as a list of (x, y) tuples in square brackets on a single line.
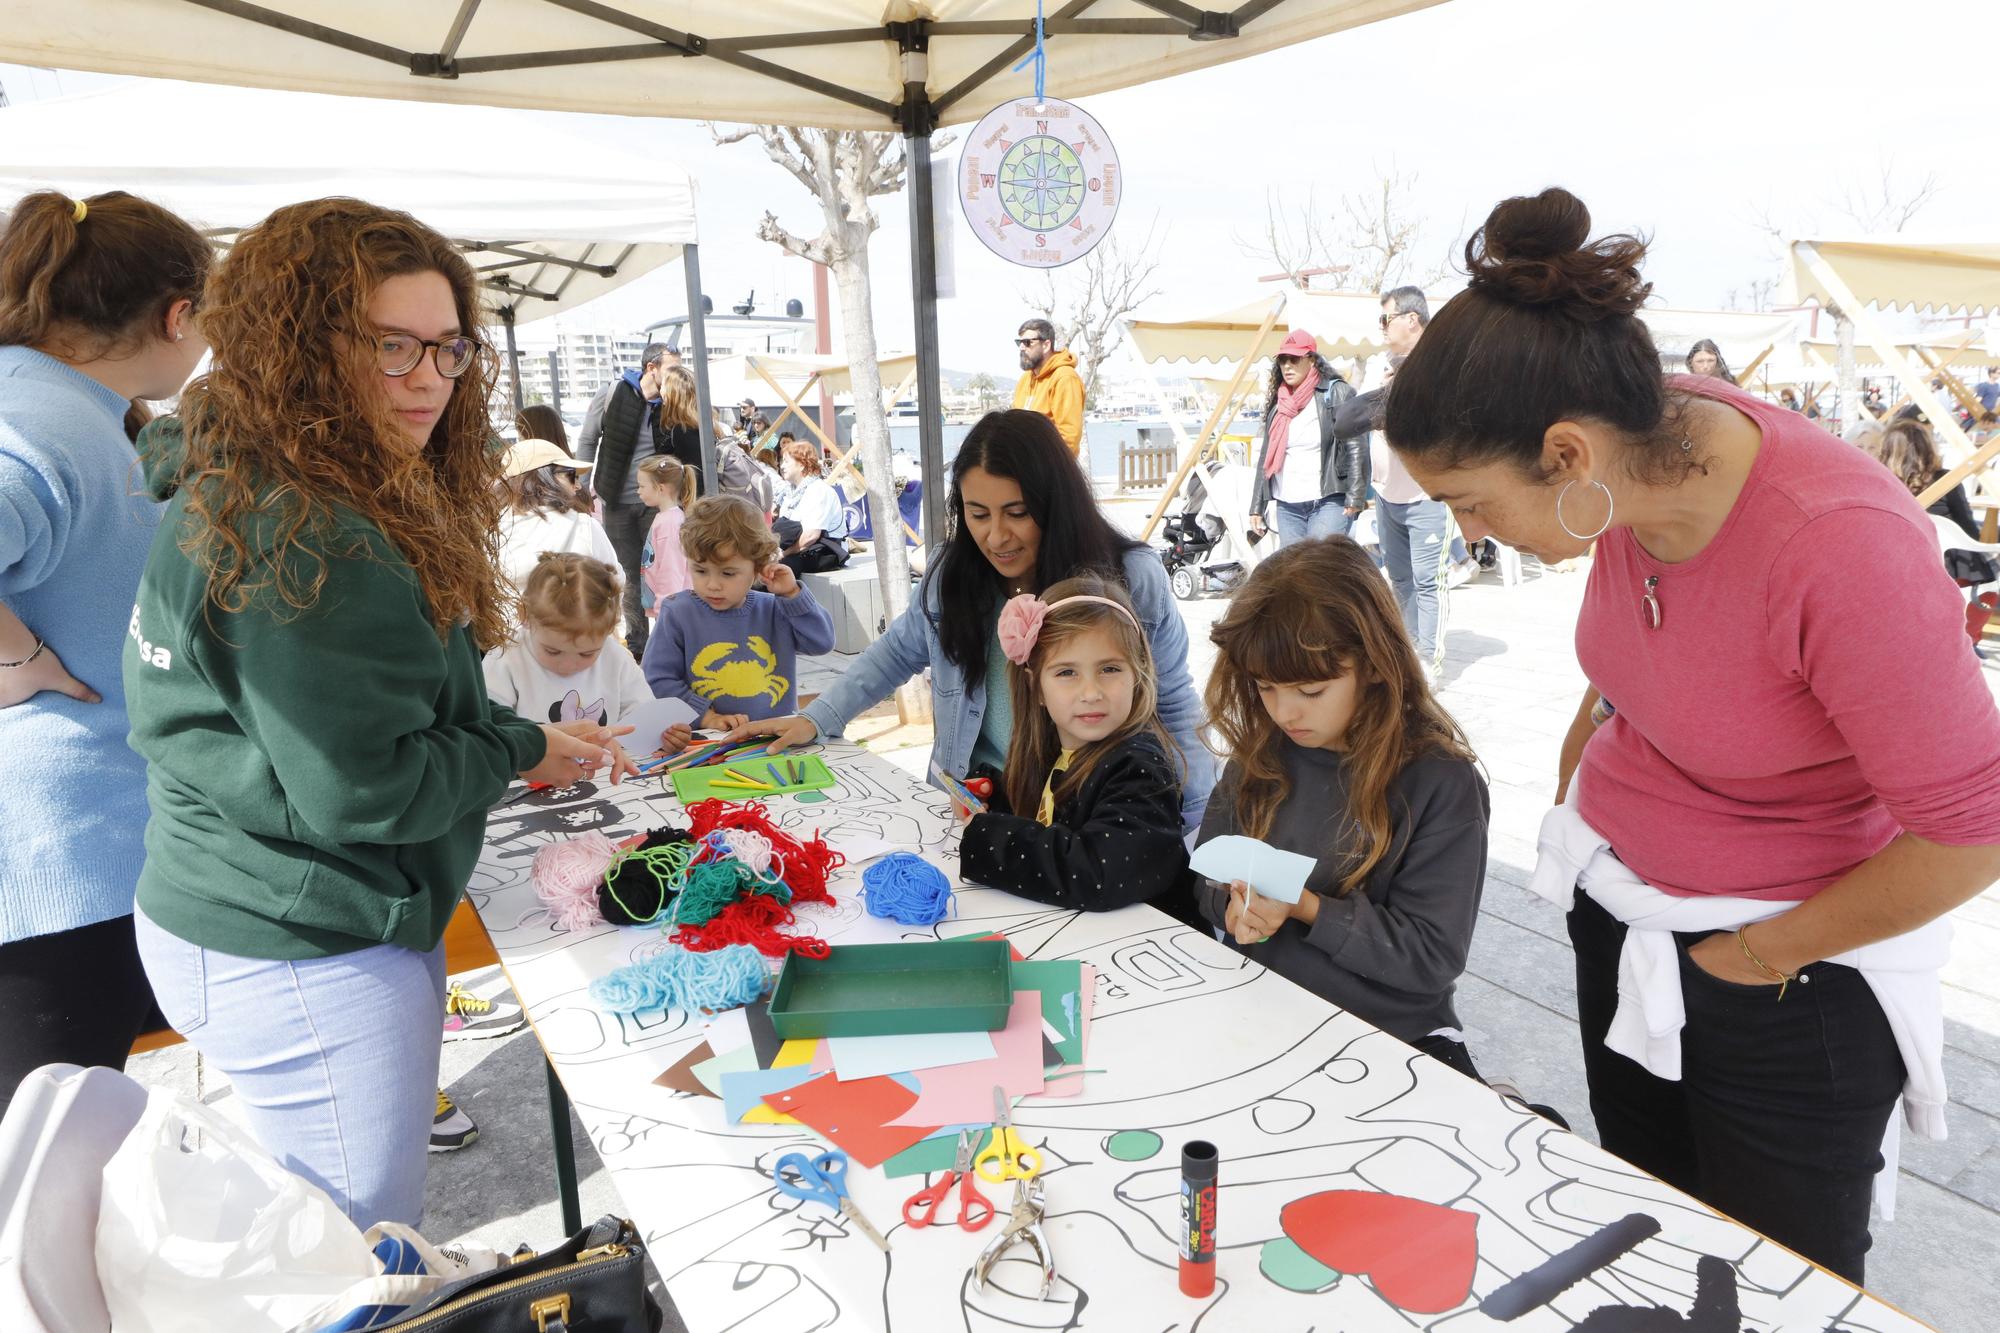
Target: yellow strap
[(1045, 813)]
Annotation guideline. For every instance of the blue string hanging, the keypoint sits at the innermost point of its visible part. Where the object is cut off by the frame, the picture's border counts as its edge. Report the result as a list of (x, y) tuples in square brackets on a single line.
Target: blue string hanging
[(904, 887), (678, 979), (1039, 55)]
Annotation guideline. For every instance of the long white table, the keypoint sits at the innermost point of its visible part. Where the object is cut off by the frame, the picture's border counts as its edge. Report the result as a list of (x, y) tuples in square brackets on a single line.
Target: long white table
[(1195, 1043)]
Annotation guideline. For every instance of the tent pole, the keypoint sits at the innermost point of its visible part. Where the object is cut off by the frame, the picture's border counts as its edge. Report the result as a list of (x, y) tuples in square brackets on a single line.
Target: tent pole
[(513, 357), (698, 331), (919, 118)]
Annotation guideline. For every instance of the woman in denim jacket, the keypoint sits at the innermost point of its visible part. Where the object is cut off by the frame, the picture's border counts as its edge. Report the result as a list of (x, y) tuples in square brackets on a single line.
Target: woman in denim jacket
[(1023, 518)]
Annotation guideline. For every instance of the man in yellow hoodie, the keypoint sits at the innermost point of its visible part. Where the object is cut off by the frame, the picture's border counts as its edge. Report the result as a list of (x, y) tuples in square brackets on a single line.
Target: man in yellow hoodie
[(1049, 382)]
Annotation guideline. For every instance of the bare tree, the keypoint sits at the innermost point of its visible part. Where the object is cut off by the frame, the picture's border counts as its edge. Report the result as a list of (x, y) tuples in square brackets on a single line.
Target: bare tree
[(1372, 241), (844, 170), (1088, 306)]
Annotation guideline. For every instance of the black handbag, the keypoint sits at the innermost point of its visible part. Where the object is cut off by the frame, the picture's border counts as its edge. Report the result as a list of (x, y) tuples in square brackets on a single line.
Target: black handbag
[(595, 1282)]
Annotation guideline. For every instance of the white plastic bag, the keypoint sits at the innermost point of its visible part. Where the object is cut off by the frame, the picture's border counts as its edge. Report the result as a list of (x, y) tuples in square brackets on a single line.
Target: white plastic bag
[(194, 1237)]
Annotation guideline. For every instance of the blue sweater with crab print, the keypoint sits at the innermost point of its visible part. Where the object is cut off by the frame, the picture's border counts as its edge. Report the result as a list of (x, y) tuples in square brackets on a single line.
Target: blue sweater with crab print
[(743, 660)]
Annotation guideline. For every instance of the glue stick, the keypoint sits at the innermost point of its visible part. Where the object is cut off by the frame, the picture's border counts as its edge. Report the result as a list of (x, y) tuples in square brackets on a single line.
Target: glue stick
[(1198, 1164)]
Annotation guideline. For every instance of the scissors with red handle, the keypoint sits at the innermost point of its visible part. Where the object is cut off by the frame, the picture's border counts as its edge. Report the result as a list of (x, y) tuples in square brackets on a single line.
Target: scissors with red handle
[(974, 1211)]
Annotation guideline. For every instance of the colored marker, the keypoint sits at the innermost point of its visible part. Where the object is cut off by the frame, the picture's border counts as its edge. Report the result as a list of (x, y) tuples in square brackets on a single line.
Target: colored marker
[(1198, 1170), (772, 769), (724, 783), (746, 779)]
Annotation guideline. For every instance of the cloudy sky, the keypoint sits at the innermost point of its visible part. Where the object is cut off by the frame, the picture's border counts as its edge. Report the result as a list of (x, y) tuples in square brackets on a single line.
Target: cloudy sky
[(1686, 121)]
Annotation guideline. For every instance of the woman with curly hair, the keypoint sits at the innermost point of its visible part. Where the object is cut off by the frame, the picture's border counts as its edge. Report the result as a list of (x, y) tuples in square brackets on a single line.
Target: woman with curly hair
[(303, 669)]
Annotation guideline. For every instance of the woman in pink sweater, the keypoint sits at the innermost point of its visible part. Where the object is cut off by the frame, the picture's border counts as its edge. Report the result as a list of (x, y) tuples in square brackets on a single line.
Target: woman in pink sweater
[(1798, 780)]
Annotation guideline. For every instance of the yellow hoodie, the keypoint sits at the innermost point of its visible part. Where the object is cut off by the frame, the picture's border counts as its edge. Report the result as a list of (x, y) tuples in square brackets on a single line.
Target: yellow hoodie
[(1056, 391)]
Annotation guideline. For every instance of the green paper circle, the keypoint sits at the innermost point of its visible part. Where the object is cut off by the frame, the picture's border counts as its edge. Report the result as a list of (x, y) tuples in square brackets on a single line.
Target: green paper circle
[(1283, 1262), (810, 797), (1133, 1145)]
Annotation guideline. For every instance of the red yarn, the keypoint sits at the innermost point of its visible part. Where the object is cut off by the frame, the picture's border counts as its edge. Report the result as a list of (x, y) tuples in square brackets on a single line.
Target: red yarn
[(806, 865), (754, 920)]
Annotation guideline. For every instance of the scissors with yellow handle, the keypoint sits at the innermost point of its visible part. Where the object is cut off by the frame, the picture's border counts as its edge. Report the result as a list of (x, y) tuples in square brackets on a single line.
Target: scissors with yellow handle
[(1007, 1155)]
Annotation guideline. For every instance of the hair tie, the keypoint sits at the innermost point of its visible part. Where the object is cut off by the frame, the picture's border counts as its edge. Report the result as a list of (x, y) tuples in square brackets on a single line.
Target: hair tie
[(1021, 622), (78, 209)]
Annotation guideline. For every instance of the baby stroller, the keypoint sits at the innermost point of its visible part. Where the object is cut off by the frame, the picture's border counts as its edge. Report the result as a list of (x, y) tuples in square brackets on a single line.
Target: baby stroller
[(1209, 545)]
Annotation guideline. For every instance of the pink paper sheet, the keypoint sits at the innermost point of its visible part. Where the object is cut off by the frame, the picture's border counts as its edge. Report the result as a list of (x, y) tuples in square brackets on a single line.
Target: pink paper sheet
[(1073, 1084), (963, 1094)]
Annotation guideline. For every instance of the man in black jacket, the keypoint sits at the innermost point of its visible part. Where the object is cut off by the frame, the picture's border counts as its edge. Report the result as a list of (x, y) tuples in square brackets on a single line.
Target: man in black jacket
[(622, 429), (1319, 481)]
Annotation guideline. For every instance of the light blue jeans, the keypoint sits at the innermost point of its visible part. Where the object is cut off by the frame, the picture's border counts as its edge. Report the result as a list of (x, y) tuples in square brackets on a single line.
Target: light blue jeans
[(1416, 551), (1324, 517), (336, 1059)]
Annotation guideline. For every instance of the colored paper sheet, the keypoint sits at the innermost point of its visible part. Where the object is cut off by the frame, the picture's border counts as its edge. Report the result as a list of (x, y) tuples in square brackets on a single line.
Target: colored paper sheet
[(763, 1036), (681, 1077), (1072, 1083), (798, 1051), (709, 1072), (1273, 873), (937, 1153), (744, 1092), (858, 1116), (1061, 985), (1420, 1256), (963, 1094), (727, 1031), (870, 1057)]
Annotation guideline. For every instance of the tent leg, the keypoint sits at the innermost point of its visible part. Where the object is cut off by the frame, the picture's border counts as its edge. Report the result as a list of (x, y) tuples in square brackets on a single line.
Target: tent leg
[(513, 357), (923, 291), (698, 331)]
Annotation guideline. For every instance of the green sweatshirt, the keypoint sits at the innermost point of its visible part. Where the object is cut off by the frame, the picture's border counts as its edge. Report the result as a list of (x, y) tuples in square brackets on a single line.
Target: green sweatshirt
[(319, 780)]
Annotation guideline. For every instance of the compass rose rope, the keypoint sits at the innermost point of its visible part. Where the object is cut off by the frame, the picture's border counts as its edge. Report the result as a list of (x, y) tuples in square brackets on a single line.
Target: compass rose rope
[(1039, 56)]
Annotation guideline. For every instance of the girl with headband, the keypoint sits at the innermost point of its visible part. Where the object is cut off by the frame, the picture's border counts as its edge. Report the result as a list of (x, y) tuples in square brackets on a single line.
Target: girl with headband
[(1091, 782)]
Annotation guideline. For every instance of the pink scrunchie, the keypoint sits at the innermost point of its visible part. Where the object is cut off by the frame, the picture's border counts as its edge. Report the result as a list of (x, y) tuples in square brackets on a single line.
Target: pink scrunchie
[(1020, 625)]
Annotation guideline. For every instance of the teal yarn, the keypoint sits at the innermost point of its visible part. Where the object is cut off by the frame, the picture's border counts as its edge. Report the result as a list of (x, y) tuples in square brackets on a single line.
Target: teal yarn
[(678, 979), (904, 887), (714, 885)]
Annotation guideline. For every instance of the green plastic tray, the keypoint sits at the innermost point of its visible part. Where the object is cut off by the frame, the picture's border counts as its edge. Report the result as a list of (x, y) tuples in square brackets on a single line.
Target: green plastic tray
[(876, 990), (696, 784)]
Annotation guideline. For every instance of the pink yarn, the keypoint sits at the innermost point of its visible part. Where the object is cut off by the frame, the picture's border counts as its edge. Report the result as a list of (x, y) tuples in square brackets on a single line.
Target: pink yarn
[(750, 847), (1020, 625), (567, 876)]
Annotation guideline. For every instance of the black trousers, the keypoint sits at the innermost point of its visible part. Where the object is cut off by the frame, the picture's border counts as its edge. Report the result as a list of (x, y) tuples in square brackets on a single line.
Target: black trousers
[(824, 554), (76, 997), (1778, 1117), (627, 526)]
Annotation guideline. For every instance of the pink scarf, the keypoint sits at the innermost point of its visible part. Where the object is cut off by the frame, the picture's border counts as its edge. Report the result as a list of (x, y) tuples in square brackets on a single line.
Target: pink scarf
[(1290, 403)]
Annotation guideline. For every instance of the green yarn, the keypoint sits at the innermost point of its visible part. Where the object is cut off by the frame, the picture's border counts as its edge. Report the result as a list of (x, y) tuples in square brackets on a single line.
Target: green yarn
[(714, 885)]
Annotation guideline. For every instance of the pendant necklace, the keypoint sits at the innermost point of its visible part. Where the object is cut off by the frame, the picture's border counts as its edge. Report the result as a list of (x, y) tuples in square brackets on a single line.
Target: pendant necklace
[(1651, 597)]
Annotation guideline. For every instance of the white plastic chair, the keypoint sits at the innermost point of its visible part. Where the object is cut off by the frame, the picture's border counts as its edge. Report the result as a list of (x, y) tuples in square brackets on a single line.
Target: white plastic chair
[(61, 1128), (1951, 537)]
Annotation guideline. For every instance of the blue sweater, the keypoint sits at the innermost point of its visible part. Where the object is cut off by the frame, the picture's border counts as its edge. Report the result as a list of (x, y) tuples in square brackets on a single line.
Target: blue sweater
[(75, 527), (743, 660)]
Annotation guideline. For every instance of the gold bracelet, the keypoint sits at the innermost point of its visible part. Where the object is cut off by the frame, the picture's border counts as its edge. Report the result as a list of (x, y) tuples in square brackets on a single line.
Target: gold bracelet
[(1783, 979), (40, 643)]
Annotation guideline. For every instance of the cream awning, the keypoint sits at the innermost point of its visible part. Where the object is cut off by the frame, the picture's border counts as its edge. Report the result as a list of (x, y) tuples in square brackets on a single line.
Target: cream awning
[(1900, 270)]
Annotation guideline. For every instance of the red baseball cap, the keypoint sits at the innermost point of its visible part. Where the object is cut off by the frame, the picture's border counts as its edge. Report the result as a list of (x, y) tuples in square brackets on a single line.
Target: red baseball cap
[(1298, 343)]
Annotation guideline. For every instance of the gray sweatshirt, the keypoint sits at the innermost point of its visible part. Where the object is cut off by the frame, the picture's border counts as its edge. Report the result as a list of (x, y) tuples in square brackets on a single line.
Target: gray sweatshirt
[(1391, 951)]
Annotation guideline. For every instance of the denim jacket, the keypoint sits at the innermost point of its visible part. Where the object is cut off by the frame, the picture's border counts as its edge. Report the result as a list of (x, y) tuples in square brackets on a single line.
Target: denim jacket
[(911, 644)]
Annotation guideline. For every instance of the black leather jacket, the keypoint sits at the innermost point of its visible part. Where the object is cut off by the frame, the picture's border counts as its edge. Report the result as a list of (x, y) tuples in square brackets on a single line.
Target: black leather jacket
[(1343, 464)]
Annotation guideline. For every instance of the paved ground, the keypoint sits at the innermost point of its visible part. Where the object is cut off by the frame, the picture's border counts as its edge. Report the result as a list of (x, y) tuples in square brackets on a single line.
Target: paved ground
[(1512, 681)]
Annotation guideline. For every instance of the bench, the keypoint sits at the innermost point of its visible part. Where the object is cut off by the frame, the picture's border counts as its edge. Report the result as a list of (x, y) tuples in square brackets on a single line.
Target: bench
[(853, 597)]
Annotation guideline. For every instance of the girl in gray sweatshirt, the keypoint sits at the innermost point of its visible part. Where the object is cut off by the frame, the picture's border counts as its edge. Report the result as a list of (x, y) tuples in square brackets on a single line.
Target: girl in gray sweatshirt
[(1339, 752)]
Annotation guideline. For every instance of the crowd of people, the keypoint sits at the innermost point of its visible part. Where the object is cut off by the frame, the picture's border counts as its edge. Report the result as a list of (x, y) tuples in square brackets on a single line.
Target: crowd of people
[(336, 623)]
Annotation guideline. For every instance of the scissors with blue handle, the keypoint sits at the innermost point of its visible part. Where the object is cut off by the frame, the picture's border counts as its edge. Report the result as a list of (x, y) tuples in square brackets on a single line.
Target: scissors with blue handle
[(1006, 1151), (823, 1179)]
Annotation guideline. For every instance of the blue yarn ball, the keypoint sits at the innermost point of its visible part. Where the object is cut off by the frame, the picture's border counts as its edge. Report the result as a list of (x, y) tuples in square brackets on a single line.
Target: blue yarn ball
[(904, 887)]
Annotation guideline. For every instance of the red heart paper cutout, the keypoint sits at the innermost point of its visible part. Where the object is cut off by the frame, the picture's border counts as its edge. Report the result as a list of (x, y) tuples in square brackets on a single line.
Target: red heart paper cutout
[(1420, 1256)]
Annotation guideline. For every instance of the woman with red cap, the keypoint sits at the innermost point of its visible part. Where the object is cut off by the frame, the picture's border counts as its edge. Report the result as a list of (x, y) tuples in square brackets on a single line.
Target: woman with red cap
[(1320, 483)]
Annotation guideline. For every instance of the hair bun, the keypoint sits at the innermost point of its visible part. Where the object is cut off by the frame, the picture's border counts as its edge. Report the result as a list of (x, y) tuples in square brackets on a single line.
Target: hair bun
[(1537, 251)]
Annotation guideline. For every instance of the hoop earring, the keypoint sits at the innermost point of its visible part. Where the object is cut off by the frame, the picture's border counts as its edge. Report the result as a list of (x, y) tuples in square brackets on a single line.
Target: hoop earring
[(1609, 505)]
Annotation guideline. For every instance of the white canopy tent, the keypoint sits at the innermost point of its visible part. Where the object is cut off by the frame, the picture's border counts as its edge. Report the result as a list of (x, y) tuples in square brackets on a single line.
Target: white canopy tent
[(901, 66), (1863, 276), (549, 219)]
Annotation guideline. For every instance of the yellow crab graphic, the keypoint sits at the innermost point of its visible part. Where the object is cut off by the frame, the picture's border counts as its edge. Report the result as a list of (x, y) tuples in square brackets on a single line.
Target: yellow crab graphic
[(716, 678)]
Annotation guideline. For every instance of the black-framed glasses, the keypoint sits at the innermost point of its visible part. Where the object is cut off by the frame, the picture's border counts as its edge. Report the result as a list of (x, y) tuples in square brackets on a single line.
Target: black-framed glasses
[(398, 353), (1386, 320), (1028, 342)]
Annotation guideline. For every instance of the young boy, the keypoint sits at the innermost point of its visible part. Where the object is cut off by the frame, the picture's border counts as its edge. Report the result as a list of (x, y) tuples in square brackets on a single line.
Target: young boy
[(729, 653)]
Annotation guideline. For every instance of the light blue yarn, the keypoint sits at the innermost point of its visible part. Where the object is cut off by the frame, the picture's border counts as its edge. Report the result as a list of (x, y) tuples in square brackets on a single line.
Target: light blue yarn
[(682, 979)]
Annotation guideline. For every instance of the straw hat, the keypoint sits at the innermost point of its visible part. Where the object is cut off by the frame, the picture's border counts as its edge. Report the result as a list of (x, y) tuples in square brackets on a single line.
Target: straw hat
[(527, 455)]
